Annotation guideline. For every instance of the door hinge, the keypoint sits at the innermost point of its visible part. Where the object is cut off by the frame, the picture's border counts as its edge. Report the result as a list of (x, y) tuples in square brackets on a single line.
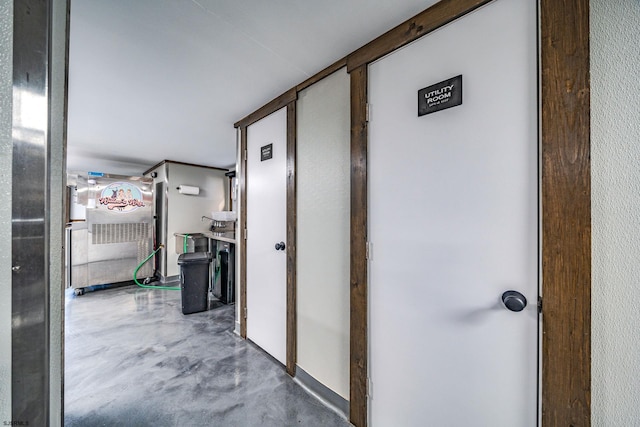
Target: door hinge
[(245, 234), (245, 312), (245, 155), (539, 304), (368, 113), (369, 388), (368, 250)]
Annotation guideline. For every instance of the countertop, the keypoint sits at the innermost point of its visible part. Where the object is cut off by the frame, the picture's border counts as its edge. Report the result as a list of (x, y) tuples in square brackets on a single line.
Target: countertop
[(229, 237)]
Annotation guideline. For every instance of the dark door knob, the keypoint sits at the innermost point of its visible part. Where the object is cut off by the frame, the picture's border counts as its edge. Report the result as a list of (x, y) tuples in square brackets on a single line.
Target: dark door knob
[(514, 300), (280, 246)]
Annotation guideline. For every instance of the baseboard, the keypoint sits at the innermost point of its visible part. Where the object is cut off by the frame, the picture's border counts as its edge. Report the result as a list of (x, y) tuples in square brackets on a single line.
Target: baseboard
[(329, 397), (169, 279), (236, 330)]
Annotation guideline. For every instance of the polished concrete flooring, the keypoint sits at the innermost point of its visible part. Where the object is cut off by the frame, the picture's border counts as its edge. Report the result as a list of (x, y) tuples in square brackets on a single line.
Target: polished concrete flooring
[(132, 358)]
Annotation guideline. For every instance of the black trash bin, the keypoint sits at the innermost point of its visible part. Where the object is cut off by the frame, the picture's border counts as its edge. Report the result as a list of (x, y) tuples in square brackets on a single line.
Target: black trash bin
[(194, 281)]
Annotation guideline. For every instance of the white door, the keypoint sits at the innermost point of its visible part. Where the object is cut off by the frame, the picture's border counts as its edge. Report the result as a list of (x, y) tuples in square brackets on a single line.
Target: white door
[(453, 223), (266, 225)]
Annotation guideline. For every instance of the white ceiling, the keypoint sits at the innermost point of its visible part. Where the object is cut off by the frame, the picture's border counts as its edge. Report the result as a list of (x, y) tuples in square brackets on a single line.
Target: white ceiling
[(151, 80)]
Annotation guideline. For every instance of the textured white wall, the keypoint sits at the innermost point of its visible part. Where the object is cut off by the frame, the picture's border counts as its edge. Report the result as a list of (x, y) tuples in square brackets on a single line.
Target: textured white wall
[(323, 172), (6, 149), (615, 162)]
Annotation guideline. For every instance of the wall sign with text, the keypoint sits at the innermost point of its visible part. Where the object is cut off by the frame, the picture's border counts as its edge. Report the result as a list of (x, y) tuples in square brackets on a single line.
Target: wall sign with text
[(440, 96), (121, 197), (266, 152)]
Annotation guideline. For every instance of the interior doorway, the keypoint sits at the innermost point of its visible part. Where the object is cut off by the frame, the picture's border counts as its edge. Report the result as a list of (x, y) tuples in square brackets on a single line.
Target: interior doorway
[(266, 183)]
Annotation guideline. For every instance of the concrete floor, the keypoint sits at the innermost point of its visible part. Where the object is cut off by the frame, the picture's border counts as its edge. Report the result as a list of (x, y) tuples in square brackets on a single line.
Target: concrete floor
[(133, 358)]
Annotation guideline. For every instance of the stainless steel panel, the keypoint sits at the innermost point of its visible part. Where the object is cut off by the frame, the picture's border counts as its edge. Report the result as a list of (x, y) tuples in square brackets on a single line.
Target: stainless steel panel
[(30, 214), (67, 256), (79, 255), (102, 234), (165, 223), (189, 243), (118, 233), (160, 201)]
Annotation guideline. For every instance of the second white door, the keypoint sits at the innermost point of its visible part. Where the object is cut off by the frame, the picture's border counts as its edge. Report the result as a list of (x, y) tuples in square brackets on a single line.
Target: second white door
[(266, 225)]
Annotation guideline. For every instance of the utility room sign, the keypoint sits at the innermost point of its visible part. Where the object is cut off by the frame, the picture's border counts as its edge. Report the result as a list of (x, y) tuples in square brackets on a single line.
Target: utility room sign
[(266, 152), (440, 96)]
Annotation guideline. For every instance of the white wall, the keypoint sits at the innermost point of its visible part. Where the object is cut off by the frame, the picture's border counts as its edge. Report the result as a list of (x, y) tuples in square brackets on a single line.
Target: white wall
[(615, 163), (184, 213), (323, 180), (6, 149)]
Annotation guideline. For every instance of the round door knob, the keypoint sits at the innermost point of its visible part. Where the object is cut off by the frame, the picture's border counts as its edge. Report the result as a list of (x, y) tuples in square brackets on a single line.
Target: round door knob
[(514, 300), (280, 246)]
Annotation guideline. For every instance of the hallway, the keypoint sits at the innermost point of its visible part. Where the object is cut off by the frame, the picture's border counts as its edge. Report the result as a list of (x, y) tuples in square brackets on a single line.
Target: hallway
[(132, 357)]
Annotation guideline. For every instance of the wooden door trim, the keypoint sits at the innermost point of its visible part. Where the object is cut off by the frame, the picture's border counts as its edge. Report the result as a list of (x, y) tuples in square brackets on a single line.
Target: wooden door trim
[(276, 104), (359, 330), (322, 74), (241, 234), (565, 195), (292, 327), (291, 290), (566, 212), (412, 29)]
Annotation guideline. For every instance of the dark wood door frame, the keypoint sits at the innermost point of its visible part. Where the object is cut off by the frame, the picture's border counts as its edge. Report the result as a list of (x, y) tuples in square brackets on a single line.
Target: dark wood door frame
[(359, 300), (292, 218), (288, 101), (565, 199), (566, 212), (565, 194)]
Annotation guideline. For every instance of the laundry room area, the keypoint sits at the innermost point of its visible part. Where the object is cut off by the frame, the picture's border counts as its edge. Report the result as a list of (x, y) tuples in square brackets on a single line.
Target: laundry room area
[(150, 306), (135, 228)]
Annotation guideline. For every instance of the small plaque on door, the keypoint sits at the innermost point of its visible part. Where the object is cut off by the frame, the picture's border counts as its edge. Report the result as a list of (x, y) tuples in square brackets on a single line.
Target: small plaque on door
[(440, 96), (266, 152)]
